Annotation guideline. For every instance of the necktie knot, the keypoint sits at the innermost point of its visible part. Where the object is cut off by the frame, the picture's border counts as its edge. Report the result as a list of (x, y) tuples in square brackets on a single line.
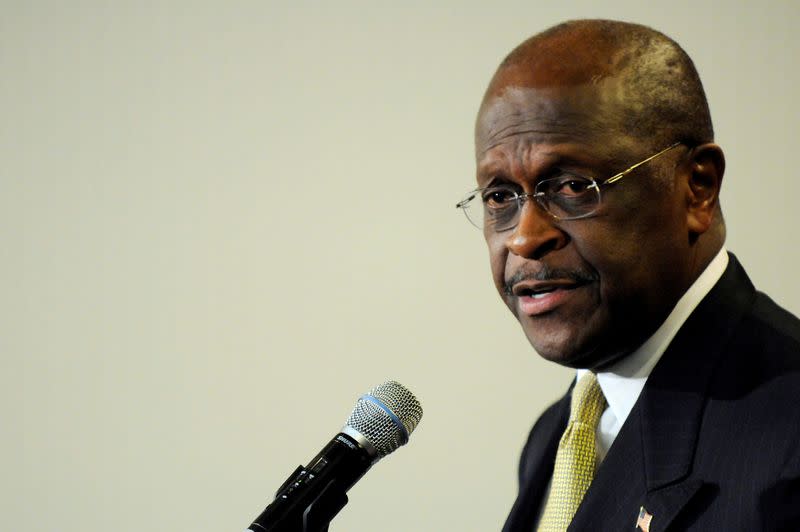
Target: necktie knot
[(588, 402)]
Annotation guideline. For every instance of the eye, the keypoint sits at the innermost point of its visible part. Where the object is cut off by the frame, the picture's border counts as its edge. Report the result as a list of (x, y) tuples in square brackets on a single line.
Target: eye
[(498, 197), (570, 186)]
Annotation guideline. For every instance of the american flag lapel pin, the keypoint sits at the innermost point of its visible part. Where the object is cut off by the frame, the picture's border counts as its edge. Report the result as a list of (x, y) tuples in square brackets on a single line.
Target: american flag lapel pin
[(644, 519)]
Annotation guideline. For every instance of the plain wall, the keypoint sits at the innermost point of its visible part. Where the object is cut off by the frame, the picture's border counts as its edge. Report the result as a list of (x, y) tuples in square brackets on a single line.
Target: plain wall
[(223, 222)]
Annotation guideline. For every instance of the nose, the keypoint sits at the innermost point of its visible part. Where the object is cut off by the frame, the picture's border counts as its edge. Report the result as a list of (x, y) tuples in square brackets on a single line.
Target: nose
[(536, 233)]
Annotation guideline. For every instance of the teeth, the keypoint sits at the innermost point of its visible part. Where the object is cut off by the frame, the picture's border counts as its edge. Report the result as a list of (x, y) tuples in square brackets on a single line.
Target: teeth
[(543, 293), (540, 293)]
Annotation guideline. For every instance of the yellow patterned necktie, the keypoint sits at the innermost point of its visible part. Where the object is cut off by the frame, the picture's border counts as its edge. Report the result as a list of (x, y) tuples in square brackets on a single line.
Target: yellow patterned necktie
[(576, 459)]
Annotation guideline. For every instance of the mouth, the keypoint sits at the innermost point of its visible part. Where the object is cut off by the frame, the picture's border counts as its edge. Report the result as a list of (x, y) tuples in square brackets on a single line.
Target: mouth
[(538, 289), (540, 297)]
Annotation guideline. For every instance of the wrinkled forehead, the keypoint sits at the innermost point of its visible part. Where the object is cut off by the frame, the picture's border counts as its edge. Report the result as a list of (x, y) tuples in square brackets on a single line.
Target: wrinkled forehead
[(583, 113)]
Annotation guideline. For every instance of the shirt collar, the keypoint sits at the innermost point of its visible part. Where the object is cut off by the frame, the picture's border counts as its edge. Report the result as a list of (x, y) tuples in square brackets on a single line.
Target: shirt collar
[(622, 383)]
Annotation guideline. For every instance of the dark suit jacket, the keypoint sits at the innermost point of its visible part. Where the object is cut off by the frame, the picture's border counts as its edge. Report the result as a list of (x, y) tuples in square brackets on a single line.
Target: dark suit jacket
[(713, 443)]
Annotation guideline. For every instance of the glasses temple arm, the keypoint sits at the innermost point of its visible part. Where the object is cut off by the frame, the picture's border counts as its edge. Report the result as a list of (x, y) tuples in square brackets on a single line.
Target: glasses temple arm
[(637, 165)]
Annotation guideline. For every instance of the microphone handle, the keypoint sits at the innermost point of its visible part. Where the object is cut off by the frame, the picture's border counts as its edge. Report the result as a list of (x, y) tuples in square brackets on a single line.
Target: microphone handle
[(313, 495)]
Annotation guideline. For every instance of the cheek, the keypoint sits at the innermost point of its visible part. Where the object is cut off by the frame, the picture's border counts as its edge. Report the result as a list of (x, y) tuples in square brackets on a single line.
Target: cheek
[(630, 261), (613, 253)]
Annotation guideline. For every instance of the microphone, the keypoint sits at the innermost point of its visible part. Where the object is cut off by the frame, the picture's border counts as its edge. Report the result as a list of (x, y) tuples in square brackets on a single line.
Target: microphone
[(381, 421)]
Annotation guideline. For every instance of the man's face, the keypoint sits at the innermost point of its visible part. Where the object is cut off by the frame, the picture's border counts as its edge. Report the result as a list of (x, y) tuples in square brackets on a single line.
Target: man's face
[(587, 291)]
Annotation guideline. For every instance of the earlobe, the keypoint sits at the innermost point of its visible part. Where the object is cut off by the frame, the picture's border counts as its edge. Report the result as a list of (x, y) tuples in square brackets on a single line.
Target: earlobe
[(706, 166)]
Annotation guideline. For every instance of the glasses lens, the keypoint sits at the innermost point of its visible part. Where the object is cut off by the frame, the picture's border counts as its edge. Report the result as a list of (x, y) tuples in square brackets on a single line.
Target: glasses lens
[(472, 207), (500, 207), (496, 208), (569, 196)]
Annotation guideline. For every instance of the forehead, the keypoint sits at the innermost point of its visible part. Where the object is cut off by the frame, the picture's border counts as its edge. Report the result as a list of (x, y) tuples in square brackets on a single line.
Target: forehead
[(525, 132), (586, 114), (526, 111)]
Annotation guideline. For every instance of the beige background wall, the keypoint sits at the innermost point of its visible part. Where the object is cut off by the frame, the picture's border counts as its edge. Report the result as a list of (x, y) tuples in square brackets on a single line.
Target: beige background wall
[(222, 222)]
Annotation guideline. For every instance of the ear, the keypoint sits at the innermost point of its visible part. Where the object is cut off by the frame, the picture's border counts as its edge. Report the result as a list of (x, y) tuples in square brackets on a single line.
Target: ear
[(706, 166)]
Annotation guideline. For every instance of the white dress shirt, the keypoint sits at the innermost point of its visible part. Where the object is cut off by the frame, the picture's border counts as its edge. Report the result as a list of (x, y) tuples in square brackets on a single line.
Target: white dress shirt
[(622, 383)]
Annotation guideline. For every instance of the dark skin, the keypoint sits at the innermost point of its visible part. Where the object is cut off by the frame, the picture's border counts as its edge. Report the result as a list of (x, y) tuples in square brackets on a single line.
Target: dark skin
[(604, 283)]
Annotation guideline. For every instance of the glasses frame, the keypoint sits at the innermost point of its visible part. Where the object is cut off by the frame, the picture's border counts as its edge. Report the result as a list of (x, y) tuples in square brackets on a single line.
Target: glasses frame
[(538, 195)]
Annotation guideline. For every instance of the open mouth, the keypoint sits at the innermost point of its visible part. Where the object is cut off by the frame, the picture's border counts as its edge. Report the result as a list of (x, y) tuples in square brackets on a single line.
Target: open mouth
[(541, 290), (536, 298), (539, 293)]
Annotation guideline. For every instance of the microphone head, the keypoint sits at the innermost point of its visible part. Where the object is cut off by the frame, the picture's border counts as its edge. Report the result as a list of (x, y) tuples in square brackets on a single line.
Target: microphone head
[(385, 417)]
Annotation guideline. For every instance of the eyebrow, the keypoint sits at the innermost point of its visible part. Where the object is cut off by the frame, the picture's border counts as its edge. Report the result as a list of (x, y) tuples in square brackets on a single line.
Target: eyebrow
[(500, 180), (554, 161)]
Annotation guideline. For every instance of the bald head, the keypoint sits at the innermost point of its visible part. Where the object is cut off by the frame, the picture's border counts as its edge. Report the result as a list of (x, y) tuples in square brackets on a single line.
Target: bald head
[(658, 95)]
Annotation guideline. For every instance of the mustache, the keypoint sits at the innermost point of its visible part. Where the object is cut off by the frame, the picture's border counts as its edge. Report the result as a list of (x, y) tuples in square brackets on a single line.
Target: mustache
[(546, 273)]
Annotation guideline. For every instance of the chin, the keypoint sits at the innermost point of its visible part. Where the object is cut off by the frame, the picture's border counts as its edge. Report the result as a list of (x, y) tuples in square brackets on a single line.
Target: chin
[(557, 352), (578, 352), (568, 360)]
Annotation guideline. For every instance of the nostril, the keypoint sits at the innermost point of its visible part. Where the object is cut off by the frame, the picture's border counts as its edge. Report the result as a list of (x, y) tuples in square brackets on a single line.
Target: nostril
[(534, 240)]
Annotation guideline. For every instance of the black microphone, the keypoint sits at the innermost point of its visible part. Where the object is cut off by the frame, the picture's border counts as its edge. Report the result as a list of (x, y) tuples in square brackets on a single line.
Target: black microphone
[(381, 421)]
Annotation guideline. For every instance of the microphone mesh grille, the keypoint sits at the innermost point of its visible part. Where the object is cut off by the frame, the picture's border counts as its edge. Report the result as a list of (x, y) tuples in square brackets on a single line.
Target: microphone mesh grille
[(377, 425)]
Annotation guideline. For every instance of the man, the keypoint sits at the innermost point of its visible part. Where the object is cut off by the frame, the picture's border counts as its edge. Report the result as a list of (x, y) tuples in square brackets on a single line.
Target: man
[(599, 200)]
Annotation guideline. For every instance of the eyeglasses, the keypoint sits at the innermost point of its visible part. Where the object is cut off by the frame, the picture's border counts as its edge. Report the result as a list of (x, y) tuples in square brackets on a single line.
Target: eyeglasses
[(564, 197)]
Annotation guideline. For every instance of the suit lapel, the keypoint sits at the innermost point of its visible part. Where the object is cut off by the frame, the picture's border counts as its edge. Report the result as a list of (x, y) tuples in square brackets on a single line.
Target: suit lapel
[(650, 463), (675, 395)]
